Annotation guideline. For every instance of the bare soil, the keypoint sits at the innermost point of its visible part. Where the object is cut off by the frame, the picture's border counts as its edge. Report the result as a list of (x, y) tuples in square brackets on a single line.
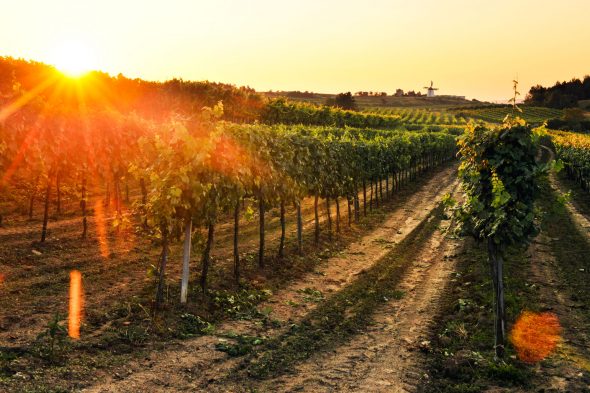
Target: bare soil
[(388, 356), (200, 363)]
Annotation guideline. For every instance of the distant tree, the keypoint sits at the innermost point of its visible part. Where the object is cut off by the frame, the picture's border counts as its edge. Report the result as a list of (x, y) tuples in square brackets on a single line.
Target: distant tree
[(345, 101), (561, 95), (536, 96), (557, 99)]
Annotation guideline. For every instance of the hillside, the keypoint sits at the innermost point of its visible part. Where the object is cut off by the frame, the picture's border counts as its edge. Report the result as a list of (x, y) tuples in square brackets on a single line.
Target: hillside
[(379, 102)]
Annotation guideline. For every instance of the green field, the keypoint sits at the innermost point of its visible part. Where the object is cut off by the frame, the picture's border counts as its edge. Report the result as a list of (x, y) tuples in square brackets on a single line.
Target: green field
[(533, 115), (422, 115), (365, 103), (461, 116)]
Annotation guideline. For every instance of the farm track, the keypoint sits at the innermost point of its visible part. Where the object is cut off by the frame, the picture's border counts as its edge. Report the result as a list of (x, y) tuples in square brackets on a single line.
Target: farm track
[(195, 365), (385, 358)]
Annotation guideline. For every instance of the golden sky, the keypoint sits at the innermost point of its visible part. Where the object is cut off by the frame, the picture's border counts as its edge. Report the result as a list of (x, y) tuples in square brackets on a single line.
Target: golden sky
[(468, 47)]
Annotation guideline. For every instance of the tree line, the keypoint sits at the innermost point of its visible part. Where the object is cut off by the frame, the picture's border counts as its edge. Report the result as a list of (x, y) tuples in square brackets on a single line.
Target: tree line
[(561, 94), (153, 100)]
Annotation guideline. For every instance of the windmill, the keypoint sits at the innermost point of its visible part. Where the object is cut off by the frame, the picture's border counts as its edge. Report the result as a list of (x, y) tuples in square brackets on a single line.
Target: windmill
[(430, 90)]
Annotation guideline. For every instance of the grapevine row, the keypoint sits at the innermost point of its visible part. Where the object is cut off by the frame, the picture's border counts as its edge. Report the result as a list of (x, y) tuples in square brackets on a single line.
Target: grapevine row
[(195, 177), (193, 171), (280, 111), (496, 114), (574, 151)]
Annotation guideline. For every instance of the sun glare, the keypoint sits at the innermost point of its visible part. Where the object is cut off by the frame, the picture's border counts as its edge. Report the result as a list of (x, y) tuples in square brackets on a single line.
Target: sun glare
[(73, 58)]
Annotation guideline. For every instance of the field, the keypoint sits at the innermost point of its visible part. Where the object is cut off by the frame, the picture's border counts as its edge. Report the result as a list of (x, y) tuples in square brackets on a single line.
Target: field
[(461, 116), (263, 246), (423, 115), (533, 115)]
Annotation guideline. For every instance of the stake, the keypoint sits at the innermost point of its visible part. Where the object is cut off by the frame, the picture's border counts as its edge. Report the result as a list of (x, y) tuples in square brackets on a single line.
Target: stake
[(186, 257), (282, 243), (236, 233), (261, 248), (46, 209), (496, 266), (317, 219), (162, 272), (207, 255), (299, 229)]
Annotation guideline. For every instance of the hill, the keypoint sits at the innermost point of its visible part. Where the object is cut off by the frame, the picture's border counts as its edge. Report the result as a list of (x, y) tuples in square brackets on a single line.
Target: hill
[(378, 102)]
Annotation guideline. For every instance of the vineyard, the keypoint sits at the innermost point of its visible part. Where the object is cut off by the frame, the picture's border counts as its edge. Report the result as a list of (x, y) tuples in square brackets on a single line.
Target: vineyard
[(195, 236), (422, 116), (280, 111), (574, 151), (461, 116), (532, 115)]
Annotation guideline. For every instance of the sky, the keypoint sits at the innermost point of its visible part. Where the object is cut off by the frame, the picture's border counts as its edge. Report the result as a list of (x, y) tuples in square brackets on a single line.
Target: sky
[(467, 47)]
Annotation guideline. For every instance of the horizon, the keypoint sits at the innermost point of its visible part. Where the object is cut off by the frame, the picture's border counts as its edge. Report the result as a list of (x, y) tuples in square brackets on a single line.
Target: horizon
[(328, 48)]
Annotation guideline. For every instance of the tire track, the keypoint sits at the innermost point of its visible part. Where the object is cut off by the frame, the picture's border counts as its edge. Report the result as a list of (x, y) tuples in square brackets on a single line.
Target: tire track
[(386, 357)]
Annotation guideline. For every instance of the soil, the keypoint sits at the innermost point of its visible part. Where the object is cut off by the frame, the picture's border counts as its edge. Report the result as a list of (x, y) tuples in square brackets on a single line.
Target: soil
[(388, 356), (201, 363)]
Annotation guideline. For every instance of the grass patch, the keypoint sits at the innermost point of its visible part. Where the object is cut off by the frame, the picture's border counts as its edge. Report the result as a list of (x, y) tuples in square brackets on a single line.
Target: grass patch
[(462, 358), (243, 344), (570, 246)]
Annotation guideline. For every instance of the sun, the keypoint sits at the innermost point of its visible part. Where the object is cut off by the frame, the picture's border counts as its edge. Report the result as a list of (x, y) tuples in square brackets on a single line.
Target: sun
[(73, 58)]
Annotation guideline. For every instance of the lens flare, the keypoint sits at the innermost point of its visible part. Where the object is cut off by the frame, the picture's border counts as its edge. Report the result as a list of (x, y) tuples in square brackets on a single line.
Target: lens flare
[(535, 335), (76, 304), (21, 101)]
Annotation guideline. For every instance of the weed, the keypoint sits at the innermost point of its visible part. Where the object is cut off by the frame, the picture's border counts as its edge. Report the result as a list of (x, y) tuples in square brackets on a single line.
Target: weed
[(133, 335), (192, 325), (311, 295), (244, 344), (7, 356), (50, 343), (241, 304)]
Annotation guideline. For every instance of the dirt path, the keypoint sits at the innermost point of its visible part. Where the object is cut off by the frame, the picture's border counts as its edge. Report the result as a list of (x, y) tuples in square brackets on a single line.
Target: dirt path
[(387, 357), (190, 364), (340, 270)]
